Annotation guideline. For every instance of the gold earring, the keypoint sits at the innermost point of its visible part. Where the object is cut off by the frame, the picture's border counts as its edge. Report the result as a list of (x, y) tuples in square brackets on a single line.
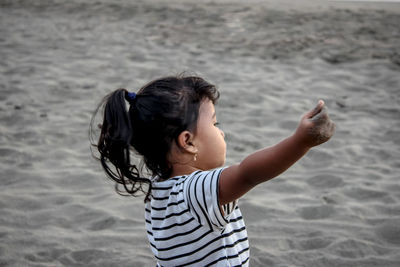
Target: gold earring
[(195, 157)]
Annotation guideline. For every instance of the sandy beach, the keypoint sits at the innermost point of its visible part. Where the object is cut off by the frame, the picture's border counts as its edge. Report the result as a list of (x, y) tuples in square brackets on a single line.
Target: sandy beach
[(271, 60)]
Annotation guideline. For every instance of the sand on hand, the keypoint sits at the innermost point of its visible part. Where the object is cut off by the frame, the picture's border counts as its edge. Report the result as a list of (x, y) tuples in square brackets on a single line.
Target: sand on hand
[(338, 206)]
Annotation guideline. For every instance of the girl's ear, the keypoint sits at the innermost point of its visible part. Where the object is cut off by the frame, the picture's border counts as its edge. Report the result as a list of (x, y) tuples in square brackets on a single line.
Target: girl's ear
[(185, 142)]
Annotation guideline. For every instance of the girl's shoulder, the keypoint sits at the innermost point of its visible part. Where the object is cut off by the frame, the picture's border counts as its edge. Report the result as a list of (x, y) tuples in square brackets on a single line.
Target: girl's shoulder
[(176, 182)]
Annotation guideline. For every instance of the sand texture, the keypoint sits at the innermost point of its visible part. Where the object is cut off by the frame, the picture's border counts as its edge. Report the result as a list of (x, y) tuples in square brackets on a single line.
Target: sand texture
[(338, 206)]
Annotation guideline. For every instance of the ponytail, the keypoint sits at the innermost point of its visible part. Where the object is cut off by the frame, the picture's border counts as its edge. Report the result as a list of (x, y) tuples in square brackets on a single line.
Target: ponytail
[(114, 145)]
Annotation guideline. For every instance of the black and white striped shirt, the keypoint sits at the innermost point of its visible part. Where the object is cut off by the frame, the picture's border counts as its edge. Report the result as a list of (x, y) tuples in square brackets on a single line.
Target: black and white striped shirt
[(185, 225)]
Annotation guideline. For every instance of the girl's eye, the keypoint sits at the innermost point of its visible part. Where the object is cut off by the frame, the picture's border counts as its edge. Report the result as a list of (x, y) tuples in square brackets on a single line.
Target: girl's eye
[(216, 124)]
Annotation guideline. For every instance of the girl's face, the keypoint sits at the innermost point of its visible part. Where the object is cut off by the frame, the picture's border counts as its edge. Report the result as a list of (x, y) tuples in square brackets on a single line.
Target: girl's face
[(209, 139)]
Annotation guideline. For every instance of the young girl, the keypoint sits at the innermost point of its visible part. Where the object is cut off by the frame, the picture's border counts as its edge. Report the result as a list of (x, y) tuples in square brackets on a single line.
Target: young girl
[(192, 215)]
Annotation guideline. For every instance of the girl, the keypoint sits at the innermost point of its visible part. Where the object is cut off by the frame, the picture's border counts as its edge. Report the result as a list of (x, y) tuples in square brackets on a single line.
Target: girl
[(191, 202)]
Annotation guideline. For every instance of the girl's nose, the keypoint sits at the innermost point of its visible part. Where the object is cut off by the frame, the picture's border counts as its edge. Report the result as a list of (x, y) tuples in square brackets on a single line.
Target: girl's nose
[(222, 133)]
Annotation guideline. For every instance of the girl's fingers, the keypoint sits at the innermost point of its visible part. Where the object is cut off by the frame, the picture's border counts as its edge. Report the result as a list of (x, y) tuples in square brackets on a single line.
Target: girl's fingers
[(316, 110), (321, 116)]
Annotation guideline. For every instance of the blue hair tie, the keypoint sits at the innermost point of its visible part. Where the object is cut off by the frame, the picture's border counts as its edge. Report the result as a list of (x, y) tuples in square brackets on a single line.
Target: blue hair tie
[(131, 96)]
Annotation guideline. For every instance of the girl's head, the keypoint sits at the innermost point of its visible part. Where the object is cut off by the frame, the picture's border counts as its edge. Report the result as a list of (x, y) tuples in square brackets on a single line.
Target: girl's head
[(161, 120)]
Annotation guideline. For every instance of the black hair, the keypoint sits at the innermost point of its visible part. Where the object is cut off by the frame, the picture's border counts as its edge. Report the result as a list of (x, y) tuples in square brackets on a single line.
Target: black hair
[(161, 110)]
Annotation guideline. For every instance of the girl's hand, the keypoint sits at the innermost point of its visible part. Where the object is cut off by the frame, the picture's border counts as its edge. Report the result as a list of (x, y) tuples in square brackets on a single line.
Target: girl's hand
[(315, 126)]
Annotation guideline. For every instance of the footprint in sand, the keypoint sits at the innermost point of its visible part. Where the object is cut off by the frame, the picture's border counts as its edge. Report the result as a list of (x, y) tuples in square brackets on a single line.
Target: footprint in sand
[(325, 181), (316, 212), (353, 249), (84, 257), (102, 224), (362, 194), (50, 255), (314, 243), (389, 231)]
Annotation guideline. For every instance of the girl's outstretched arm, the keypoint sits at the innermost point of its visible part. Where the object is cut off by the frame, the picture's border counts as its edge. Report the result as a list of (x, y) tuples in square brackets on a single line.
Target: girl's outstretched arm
[(314, 129)]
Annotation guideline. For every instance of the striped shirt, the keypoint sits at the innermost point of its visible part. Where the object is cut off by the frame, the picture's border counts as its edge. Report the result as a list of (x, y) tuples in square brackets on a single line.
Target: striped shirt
[(185, 225)]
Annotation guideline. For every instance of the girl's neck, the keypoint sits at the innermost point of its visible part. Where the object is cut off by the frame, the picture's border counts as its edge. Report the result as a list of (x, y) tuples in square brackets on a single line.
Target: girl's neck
[(180, 170)]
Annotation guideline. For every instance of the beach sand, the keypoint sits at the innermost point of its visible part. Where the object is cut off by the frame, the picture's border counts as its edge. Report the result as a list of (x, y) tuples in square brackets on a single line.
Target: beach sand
[(338, 206)]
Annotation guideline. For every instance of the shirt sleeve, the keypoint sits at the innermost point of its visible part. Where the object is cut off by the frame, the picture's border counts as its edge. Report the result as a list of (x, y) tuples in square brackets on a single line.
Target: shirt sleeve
[(201, 195)]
